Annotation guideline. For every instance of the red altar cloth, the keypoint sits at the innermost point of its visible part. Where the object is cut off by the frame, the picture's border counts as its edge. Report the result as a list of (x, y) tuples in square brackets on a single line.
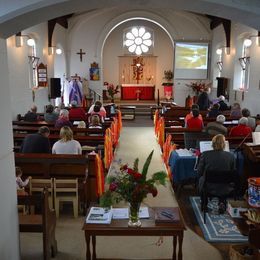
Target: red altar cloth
[(145, 92)]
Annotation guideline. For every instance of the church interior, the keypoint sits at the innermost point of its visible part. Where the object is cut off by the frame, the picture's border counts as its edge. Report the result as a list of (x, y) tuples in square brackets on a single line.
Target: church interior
[(147, 62)]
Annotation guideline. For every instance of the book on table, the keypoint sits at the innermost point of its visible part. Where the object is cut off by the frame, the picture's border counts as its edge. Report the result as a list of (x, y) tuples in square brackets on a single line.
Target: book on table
[(166, 215), (99, 215)]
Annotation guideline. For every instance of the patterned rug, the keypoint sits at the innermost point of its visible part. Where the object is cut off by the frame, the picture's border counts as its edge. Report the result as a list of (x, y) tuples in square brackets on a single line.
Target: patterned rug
[(218, 228)]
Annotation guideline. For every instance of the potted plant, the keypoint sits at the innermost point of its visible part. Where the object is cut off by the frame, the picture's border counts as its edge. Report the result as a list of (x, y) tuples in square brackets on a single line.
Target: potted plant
[(168, 75)]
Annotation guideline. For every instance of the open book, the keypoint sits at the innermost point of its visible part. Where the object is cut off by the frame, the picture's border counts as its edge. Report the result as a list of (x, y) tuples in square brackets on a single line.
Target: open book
[(98, 215)]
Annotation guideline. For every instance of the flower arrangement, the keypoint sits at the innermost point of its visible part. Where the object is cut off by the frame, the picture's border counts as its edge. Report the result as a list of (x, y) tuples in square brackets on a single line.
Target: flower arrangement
[(131, 185), (111, 89), (168, 75), (198, 87)]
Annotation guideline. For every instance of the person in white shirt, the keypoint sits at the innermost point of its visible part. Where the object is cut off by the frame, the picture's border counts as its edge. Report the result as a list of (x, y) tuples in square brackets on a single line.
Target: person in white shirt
[(66, 145), (20, 184)]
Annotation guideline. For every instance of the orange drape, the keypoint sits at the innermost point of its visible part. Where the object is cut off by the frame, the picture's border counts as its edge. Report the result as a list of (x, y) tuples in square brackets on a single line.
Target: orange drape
[(160, 131), (100, 186), (108, 149), (168, 147)]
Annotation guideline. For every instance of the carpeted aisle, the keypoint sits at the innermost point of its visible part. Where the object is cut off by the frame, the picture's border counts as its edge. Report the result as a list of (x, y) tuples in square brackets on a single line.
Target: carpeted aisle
[(139, 142)]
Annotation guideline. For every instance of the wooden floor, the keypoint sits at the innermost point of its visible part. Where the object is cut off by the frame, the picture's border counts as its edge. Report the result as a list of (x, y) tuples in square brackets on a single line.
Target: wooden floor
[(190, 218)]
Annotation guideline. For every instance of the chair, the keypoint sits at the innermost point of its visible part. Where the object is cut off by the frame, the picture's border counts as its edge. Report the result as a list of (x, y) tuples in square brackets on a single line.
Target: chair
[(66, 190), (220, 184), (37, 185)]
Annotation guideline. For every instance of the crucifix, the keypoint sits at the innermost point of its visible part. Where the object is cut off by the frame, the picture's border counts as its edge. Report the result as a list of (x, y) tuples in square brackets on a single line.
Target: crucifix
[(81, 53), (137, 68)]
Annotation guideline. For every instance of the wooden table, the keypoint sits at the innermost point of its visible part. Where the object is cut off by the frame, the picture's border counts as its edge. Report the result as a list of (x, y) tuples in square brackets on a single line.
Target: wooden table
[(148, 228)]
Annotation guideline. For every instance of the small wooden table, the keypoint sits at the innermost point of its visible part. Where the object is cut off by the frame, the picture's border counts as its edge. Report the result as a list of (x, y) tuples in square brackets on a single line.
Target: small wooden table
[(148, 228)]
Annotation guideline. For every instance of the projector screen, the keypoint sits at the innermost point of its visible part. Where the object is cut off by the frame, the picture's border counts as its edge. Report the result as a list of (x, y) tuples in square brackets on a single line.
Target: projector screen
[(191, 60)]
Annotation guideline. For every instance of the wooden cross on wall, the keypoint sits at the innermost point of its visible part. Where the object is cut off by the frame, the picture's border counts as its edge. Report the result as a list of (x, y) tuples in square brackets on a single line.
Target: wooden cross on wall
[(81, 53)]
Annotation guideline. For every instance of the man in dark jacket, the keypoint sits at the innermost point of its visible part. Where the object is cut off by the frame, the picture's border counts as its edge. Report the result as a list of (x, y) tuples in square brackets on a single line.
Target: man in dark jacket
[(37, 143), (31, 116)]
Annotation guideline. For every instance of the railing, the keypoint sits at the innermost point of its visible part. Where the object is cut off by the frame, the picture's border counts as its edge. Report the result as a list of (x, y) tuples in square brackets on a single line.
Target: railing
[(93, 94)]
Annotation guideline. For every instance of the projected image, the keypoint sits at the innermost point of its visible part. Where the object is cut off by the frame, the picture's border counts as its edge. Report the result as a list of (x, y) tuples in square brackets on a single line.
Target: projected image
[(191, 56)]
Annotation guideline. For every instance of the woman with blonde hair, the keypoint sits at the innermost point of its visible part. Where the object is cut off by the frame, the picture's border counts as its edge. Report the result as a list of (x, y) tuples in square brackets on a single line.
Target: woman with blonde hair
[(66, 145)]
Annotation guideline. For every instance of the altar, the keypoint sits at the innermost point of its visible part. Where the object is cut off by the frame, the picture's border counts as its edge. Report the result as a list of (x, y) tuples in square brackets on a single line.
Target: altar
[(137, 91)]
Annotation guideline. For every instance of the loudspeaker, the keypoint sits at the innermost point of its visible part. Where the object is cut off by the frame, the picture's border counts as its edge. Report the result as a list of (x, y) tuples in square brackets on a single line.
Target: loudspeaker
[(55, 90), (222, 87)]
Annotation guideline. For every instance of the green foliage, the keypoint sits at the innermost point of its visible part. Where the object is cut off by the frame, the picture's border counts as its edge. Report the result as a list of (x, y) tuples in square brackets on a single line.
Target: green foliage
[(132, 186)]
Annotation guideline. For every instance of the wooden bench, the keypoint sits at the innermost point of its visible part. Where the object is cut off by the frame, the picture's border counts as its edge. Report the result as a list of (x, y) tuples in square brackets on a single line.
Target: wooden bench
[(44, 223), (83, 140), (128, 112), (62, 166), (33, 129)]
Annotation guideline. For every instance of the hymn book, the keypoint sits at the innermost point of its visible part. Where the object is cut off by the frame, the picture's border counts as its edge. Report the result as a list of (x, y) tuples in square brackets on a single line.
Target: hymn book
[(98, 215)]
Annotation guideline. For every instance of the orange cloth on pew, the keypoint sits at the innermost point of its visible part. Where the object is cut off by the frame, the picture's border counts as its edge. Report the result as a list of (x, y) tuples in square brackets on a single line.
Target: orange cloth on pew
[(108, 148), (155, 121), (100, 183), (119, 117), (160, 132), (168, 147)]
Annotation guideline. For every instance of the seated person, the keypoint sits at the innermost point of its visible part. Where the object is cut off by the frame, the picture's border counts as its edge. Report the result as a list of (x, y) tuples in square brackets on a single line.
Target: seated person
[(20, 184), (50, 115), (214, 111), (216, 159), (222, 105), (38, 142), (217, 127), (236, 111), (242, 129), (63, 119), (98, 112), (195, 122), (257, 129), (76, 113), (251, 121), (188, 116), (95, 122), (66, 144), (31, 116), (102, 109)]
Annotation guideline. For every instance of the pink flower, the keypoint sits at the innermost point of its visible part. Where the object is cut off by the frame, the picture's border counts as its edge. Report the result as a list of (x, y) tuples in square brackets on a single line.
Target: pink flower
[(113, 186)]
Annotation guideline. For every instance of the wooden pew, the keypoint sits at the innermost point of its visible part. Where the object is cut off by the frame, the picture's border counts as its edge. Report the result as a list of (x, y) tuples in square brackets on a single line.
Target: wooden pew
[(44, 223), (62, 166), (33, 129), (38, 124), (83, 140), (178, 137)]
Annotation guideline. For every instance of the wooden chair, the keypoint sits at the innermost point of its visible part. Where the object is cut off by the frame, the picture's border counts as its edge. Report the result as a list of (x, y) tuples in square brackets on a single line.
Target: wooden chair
[(43, 222), (37, 185), (66, 190)]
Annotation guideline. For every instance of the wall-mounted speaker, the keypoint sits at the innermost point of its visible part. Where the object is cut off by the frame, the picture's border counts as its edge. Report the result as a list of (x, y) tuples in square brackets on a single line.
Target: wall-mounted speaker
[(55, 86), (222, 88)]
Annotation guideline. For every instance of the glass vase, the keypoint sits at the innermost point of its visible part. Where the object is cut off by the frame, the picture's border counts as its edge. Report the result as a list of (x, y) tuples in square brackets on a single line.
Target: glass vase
[(134, 220)]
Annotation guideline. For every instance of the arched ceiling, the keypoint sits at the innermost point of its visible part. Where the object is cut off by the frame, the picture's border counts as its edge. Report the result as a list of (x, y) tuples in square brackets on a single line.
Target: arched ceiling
[(17, 15)]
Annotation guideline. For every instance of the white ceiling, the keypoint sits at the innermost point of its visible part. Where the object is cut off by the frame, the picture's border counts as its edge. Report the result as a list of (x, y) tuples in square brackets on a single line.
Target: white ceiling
[(16, 15)]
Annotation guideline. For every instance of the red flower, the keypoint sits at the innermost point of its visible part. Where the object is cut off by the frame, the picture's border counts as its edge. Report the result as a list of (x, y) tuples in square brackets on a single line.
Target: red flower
[(130, 171), (154, 191), (113, 186), (124, 167), (137, 175)]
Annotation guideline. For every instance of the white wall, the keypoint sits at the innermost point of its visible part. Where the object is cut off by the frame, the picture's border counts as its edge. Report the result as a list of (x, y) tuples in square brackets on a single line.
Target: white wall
[(9, 245), (91, 31), (238, 33)]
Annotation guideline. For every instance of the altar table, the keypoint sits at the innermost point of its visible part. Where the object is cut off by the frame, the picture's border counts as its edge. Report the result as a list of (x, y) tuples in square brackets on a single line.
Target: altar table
[(148, 228), (137, 91)]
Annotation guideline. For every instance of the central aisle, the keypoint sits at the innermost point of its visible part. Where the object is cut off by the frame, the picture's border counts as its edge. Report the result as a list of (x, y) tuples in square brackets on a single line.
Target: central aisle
[(139, 142)]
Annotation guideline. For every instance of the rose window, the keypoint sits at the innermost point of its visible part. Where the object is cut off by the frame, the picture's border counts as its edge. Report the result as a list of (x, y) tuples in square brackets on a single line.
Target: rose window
[(138, 40)]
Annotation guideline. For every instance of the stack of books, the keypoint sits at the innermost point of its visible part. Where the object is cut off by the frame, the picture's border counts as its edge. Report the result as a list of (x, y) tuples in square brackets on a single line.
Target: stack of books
[(166, 215), (98, 215)]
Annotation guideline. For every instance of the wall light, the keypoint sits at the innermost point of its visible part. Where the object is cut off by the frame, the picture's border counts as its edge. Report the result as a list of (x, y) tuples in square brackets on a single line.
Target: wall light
[(247, 43), (219, 51), (19, 40), (54, 49)]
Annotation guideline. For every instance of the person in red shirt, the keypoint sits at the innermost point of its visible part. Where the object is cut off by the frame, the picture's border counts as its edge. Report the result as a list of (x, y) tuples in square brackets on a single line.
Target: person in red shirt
[(195, 122), (188, 116), (77, 113), (241, 129)]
